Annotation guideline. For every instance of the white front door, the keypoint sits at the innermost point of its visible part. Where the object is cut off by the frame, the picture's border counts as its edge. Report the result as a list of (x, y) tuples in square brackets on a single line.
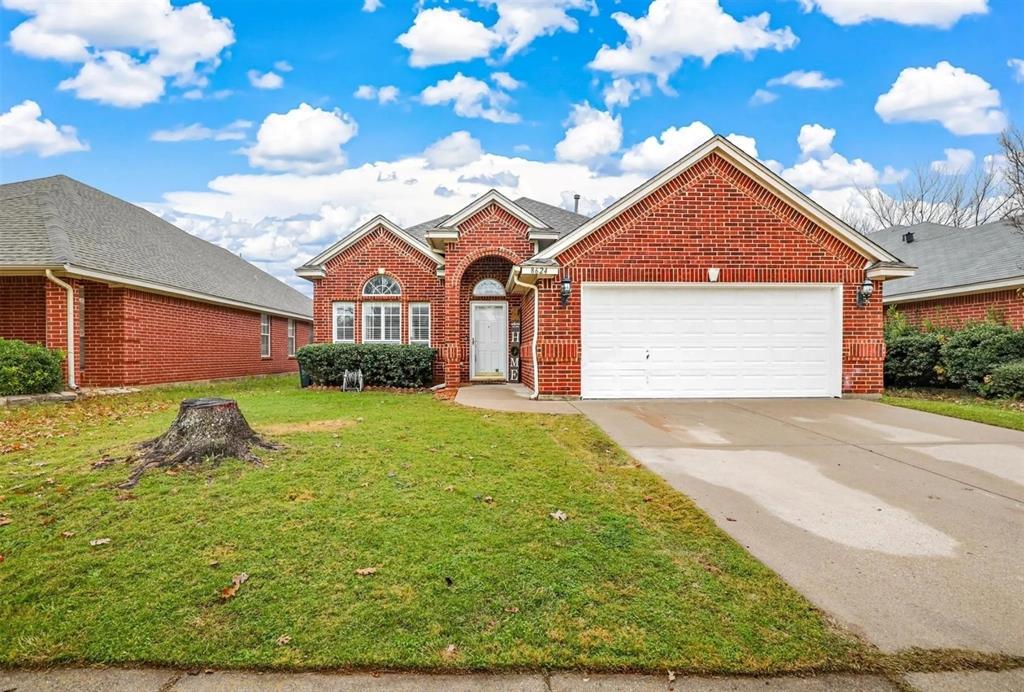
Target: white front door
[(488, 335), (711, 340)]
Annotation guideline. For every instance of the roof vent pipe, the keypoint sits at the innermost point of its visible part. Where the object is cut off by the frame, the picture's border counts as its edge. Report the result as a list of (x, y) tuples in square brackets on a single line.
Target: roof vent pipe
[(908, 237), (576, 204)]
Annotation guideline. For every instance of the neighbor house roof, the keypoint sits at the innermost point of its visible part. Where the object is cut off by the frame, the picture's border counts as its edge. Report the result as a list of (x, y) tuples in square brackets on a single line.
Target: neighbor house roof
[(61, 224), (954, 261)]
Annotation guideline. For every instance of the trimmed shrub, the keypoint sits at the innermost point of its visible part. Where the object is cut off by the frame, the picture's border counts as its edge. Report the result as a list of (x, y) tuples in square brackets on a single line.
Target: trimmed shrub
[(1006, 381), (383, 365), (913, 360), (896, 325), (29, 369), (975, 351)]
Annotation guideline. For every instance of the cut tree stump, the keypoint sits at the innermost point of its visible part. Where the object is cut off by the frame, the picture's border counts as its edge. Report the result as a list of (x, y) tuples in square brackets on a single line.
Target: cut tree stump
[(205, 429)]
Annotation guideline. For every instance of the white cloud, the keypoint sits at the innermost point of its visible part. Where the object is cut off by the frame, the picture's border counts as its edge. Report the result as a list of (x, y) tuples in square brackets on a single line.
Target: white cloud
[(656, 153), (815, 140), (454, 151), (672, 30), (382, 95), (305, 140), (265, 80), (506, 81), (117, 79), (956, 161), (283, 66), (622, 91), (197, 131), (127, 49), (372, 5), (763, 96), (520, 22), (939, 13), (591, 134), (802, 79), (964, 103), (1017, 65), (438, 36), (471, 98), (23, 130)]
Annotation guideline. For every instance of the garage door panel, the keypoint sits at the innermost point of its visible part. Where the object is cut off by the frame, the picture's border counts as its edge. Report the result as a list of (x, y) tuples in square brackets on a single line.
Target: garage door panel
[(649, 340)]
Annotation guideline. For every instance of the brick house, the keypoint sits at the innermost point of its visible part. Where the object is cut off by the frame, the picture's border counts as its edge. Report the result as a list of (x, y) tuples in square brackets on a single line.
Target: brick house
[(964, 274), (132, 299), (715, 278)]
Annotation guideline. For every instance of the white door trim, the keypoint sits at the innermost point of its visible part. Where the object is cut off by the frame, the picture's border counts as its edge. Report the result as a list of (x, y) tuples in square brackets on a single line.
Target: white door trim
[(473, 305)]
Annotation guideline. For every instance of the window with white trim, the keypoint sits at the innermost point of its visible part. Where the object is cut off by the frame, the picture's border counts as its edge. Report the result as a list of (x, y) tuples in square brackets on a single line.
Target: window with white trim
[(488, 287), (265, 335), (291, 337), (419, 323), (344, 323), (382, 285), (382, 323)]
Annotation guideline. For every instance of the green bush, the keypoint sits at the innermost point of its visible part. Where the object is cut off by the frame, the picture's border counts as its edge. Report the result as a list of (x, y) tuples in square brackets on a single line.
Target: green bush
[(896, 325), (974, 352), (913, 360), (385, 365), (1006, 381), (29, 369)]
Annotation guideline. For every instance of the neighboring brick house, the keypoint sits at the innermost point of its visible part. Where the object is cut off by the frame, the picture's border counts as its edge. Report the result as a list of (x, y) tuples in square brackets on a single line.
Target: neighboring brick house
[(713, 279), (149, 303), (964, 274)]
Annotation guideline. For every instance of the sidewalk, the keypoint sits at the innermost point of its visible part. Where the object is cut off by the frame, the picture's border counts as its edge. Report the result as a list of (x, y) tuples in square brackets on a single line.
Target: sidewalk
[(161, 680)]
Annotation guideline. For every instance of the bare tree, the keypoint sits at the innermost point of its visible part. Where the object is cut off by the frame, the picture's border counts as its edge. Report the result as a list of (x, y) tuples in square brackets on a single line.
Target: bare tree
[(1012, 143)]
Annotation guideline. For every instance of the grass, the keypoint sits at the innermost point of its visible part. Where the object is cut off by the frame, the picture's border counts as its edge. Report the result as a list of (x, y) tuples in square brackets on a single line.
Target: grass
[(451, 505), (957, 404)]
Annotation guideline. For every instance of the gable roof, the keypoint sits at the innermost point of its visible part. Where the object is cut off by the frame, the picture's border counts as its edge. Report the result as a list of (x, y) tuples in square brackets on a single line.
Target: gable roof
[(60, 223), (314, 267), (954, 260), (493, 197), (756, 170)]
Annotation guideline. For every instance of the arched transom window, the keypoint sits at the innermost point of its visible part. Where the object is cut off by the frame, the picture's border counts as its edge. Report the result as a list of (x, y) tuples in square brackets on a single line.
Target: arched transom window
[(382, 285), (488, 287)]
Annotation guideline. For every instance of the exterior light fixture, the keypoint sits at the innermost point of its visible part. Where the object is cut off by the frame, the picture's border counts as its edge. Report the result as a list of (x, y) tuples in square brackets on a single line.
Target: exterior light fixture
[(566, 289), (864, 292)]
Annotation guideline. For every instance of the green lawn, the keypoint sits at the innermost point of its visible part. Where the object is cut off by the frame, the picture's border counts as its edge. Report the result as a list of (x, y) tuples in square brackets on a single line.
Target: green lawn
[(1005, 414), (451, 505)]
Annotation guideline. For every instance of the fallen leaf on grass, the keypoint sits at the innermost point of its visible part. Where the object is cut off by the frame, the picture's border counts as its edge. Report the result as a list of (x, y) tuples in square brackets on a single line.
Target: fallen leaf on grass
[(671, 676), (283, 640), (236, 583), (512, 609), (559, 515), (67, 534), (4, 521), (451, 651), (99, 541), (489, 500), (366, 571)]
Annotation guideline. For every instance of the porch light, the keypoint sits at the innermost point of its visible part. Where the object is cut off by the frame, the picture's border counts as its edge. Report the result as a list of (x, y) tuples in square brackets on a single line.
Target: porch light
[(864, 292), (566, 289)]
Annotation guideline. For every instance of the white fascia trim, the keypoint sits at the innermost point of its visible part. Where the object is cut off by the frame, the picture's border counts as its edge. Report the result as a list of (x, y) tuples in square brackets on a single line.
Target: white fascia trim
[(530, 274), (310, 273), (502, 201), (884, 273), (543, 235), (749, 165), (355, 236), (953, 291), (150, 287)]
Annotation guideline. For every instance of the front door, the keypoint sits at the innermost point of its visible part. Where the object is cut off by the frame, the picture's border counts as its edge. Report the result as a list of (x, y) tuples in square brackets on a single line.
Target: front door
[(488, 336)]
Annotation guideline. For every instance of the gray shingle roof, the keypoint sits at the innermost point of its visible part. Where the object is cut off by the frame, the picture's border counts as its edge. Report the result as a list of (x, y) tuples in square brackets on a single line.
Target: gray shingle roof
[(55, 221), (948, 257), (560, 220)]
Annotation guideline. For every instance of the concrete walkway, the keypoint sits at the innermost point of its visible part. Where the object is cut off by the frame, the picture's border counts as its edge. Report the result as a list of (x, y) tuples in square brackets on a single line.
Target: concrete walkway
[(509, 397), (158, 680)]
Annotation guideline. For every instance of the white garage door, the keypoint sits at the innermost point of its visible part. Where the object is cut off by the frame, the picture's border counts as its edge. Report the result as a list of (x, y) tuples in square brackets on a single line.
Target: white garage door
[(716, 340)]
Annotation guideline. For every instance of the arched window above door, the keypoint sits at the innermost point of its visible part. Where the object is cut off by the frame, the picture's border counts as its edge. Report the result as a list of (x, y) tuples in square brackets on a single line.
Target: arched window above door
[(488, 288), (382, 285)]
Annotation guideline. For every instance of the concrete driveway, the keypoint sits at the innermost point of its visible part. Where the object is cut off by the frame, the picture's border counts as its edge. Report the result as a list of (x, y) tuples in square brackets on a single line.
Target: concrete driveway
[(906, 526)]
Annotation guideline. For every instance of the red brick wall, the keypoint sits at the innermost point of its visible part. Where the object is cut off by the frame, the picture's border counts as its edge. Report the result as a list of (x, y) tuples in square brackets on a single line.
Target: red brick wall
[(1007, 306), (349, 271), (712, 215), (23, 308)]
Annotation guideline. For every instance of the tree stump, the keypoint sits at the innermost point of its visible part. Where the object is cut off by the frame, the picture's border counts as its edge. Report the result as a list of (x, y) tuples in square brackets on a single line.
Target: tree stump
[(205, 429)]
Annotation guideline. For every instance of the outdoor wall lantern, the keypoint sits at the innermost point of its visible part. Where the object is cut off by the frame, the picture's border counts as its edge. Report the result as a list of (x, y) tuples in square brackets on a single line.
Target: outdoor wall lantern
[(864, 293), (566, 289)]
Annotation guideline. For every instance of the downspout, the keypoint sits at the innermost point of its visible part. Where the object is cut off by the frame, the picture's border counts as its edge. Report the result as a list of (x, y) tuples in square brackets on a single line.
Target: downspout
[(536, 322), (71, 326)]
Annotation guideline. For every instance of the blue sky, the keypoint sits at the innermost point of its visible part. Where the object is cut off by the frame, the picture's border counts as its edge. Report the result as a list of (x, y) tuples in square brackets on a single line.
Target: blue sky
[(890, 86)]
